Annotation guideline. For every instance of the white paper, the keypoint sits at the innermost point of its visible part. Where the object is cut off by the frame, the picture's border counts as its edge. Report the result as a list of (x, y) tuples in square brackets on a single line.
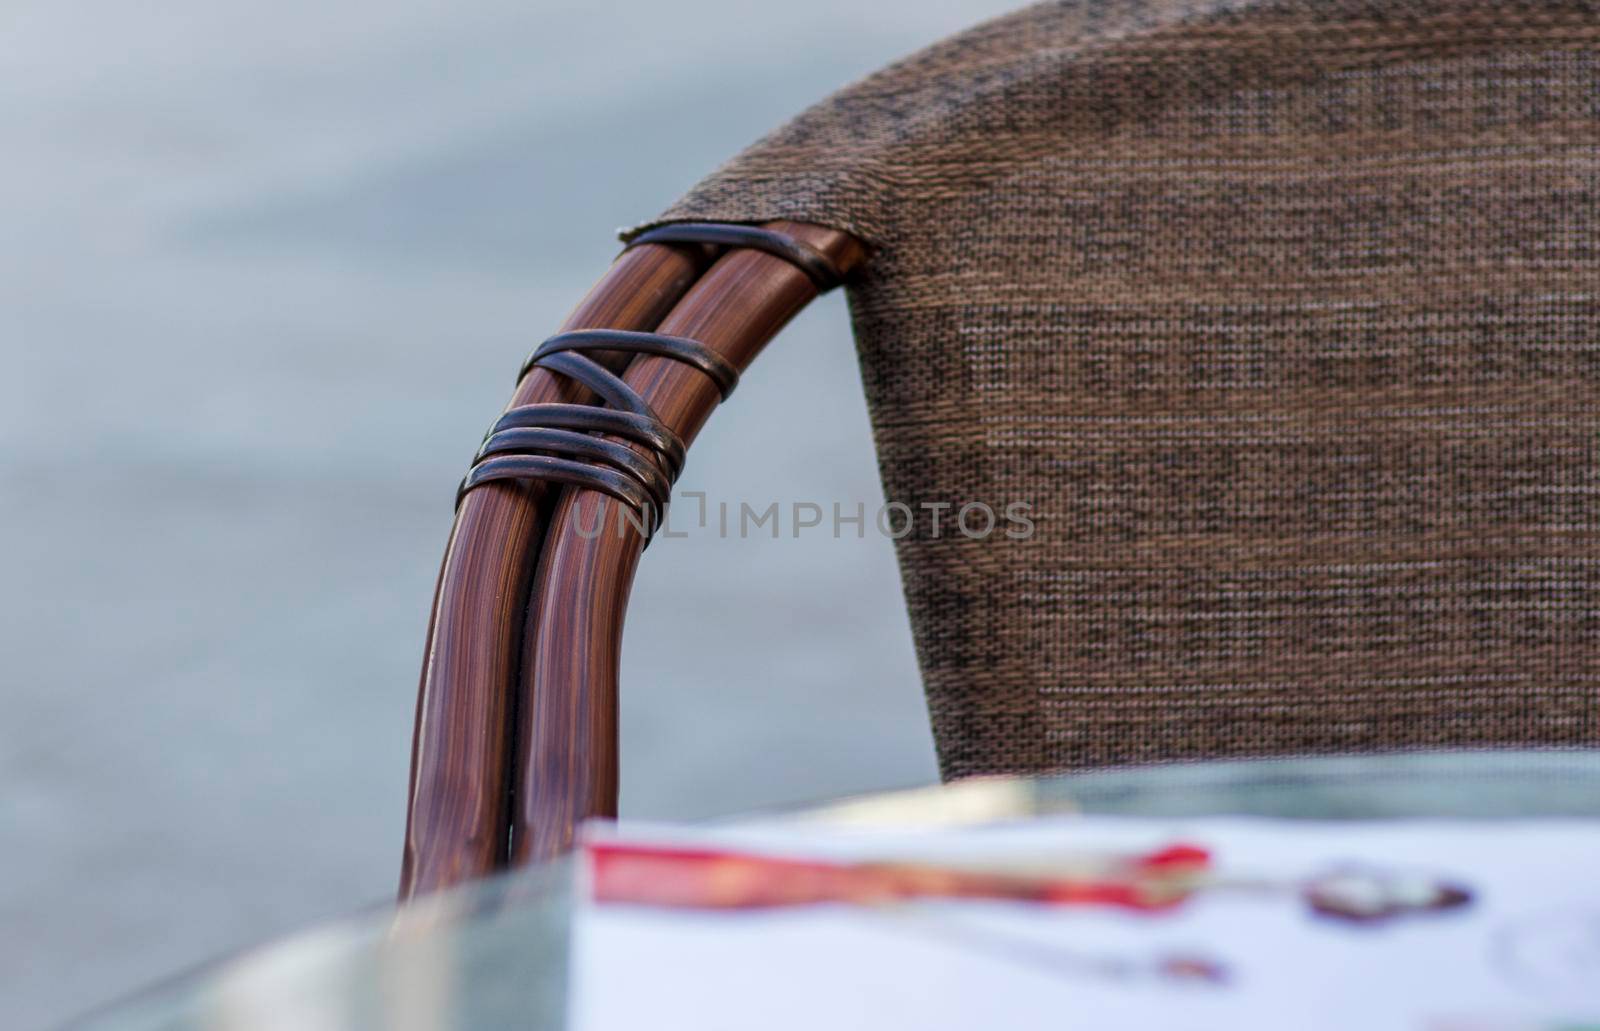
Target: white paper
[(1524, 954)]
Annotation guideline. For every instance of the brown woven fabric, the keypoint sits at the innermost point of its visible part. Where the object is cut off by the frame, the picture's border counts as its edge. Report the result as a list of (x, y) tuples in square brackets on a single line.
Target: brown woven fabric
[(1283, 316)]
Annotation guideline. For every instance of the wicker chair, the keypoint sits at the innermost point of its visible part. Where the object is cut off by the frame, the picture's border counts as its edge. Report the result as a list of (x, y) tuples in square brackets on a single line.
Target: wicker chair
[(1279, 316)]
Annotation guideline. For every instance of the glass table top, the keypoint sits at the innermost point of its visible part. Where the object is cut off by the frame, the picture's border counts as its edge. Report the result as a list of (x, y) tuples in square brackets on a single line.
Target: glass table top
[(494, 954)]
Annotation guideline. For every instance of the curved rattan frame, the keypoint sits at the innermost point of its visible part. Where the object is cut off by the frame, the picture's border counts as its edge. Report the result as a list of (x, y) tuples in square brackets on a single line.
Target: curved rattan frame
[(516, 728)]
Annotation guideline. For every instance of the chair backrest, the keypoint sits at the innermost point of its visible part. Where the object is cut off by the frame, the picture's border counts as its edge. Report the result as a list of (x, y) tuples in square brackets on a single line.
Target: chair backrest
[(1274, 323), (1281, 318)]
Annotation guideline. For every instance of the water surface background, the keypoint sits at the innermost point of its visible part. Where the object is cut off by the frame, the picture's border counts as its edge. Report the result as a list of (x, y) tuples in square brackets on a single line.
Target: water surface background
[(267, 272)]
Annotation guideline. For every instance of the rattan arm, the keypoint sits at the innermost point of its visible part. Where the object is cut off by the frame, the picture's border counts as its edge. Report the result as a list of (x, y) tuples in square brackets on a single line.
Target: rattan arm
[(456, 809), (516, 719), (567, 708)]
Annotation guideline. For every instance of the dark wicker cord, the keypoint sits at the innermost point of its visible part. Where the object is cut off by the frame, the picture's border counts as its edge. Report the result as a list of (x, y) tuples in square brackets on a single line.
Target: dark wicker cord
[(558, 442), (648, 432), (690, 352), (560, 470), (607, 385), (722, 234), (582, 447)]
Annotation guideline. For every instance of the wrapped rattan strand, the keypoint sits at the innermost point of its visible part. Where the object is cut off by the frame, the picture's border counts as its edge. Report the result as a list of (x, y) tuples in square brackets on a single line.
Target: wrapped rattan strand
[(552, 442)]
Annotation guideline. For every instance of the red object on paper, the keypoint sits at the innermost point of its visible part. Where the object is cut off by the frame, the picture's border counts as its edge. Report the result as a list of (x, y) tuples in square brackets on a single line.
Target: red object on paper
[(715, 879)]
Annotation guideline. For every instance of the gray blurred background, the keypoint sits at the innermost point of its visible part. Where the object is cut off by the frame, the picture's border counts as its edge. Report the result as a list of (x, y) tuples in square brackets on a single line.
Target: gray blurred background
[(268, 270)]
